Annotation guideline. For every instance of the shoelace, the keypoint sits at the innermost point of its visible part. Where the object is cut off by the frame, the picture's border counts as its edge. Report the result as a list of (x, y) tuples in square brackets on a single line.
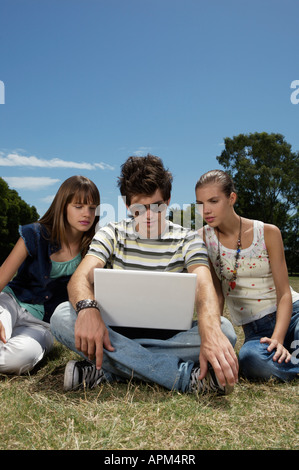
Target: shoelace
[(90, 376), (205, 385)]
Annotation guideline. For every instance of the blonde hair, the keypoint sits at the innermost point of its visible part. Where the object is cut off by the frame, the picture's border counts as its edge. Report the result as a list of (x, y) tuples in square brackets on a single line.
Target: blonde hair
[(55, 220)]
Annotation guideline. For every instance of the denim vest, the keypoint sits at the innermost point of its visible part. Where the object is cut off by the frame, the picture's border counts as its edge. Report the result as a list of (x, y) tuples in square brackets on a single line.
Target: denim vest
[(32, 283)]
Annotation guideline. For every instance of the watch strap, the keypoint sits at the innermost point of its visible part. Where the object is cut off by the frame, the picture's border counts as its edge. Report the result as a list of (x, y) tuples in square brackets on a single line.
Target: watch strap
[(86, 303)]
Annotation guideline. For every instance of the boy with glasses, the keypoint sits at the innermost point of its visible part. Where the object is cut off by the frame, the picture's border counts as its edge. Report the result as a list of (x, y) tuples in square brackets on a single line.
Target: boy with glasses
[(201, 359)]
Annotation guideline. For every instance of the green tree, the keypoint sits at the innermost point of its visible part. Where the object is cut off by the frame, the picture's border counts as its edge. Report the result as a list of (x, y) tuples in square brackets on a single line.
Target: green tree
[(187, 217), (13, 212), (266, 175)]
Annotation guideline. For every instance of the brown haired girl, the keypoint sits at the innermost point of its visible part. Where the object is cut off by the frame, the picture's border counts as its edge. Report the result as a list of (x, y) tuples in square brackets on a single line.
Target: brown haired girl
[(44, 258)]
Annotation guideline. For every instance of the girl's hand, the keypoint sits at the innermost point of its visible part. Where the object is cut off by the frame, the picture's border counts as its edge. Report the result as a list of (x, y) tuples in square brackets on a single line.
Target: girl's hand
[(282, 354), (2, 333)]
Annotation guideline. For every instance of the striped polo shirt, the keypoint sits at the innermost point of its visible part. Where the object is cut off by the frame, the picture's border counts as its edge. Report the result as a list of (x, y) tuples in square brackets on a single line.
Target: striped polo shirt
[(119, 246)]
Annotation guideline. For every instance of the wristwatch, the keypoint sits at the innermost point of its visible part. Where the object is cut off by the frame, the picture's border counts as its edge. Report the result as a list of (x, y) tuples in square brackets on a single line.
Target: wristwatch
[(86, 303)]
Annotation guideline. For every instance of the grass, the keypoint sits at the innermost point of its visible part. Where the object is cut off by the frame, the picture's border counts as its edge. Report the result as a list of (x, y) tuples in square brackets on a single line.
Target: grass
[(36, 414)]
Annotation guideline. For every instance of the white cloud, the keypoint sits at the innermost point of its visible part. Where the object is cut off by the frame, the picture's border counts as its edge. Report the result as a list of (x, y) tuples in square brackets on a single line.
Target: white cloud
[(32, 183), (14, 159), (142, 151), (104, 166), (48, 199)]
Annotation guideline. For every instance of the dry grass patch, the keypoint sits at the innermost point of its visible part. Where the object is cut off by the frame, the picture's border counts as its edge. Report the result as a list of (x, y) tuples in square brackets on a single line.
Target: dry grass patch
[(139, 416), (36, 414)]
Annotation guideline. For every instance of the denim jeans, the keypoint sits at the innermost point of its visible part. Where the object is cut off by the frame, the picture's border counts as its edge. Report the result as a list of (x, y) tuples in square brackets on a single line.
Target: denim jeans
[(165, 362), (256, 362)]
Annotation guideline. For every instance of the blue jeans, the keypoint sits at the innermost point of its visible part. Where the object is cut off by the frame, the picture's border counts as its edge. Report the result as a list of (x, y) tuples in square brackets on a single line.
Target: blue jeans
[(165, 362), (256, 362)]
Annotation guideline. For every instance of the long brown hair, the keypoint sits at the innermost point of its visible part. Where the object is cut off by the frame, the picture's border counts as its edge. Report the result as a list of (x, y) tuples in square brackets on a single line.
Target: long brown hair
[(55, 219)]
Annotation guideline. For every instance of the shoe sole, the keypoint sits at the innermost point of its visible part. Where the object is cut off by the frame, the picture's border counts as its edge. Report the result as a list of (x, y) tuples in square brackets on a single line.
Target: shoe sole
[(69, 376)]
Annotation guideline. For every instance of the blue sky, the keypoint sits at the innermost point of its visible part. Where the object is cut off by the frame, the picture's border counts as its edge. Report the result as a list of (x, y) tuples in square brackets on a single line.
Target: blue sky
[(88, 83)]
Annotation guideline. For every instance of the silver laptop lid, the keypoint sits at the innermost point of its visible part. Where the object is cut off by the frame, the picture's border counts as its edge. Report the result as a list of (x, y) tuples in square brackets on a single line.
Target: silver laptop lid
[(145, 299)]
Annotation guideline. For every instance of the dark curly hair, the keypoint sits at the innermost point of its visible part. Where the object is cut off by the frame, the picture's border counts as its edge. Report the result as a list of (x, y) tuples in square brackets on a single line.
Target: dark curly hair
[(144, 175)]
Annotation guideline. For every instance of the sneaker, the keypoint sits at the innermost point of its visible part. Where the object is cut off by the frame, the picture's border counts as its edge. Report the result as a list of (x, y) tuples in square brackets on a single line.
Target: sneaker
[(208, 384), (81, 374)]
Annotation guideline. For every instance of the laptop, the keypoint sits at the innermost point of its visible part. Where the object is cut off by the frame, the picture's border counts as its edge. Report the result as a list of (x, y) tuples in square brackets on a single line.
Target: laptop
[(145, 304)]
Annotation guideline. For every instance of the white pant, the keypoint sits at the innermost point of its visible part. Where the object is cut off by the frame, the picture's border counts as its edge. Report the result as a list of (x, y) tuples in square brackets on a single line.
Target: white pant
[(28, 339)]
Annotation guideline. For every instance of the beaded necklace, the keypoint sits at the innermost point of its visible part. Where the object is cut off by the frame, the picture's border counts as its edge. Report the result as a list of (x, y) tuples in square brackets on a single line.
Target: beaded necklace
[(232, 281)]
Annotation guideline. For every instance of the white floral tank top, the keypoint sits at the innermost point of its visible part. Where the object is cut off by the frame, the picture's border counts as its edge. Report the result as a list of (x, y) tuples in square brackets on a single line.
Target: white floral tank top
[(254, 293)]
